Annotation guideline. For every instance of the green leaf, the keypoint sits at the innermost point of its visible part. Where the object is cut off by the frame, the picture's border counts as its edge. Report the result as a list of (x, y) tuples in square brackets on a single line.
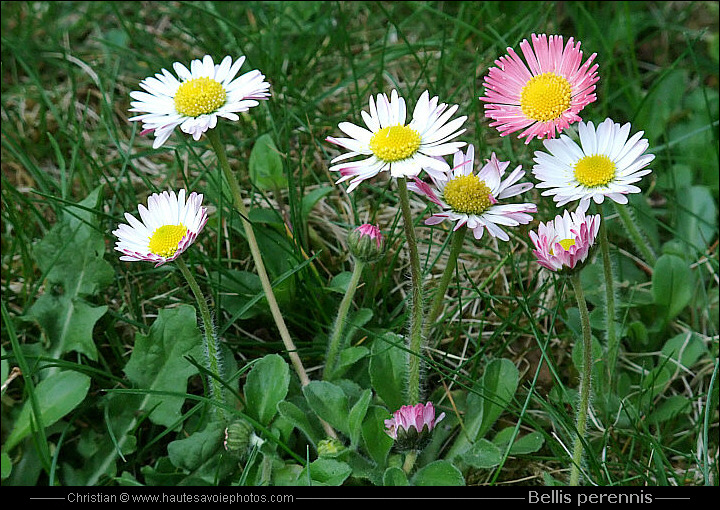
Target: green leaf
[(440, 472), (190, 453), (388, 367), (6, 465), (377, 442), (265, 165), (57, 395), (267, 384), (300, 419), (325, 472), (483, 455), (670, 408), (158, 361), (68, 323), (697, 220), (395, 477), (356, 416), (529, 443), (309, 200), (329, 402), (672, 285)]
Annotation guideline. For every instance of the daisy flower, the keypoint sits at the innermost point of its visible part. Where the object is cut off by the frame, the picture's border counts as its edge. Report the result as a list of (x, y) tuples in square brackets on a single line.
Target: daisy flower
[(606, 164), (197, 97), (565, 242), (473, 199), (543, 97), (169, 226), (410, 426), (391, 145)]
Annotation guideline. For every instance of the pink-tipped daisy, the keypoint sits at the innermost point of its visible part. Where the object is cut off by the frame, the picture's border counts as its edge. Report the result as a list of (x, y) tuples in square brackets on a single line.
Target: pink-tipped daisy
[(564, 243), (169, 226), (391, 145), (473, 200), (605, 164), (543, 97), (410, 426), (197, 97)]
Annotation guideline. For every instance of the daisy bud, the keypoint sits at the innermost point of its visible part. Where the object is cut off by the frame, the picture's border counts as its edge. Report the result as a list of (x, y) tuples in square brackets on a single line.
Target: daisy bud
[(237, 436), (366, 243), (330, 447), (411, 426)]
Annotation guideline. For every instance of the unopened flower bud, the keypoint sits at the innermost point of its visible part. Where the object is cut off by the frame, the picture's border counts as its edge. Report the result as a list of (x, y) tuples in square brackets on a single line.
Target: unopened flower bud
[(237, 436), (330, 447), (366, 243), (411, 426)]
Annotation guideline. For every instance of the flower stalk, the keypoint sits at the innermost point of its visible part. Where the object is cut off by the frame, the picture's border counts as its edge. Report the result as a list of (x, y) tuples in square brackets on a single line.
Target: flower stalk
[(585, 381), (415, 339), (211, 345), (612, 340)]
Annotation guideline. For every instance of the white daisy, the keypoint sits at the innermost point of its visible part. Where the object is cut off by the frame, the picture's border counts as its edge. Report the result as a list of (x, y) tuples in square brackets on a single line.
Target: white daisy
[(606, 164), (169, 226), (197, 97), (473, 199), (403, 150)]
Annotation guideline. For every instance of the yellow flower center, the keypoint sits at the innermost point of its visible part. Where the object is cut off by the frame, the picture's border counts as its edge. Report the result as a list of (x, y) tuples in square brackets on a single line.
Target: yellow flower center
[(395, 143), (565, 243), (199, 96), (467, 194), (545, 97), (165, 240), (596, 170)]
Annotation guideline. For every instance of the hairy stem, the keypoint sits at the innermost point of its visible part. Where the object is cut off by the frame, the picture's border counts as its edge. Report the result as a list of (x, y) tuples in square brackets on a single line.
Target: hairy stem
[(612, 340), (212, 348), (585, 381), (339, 326), (416, 312), (636, 235)]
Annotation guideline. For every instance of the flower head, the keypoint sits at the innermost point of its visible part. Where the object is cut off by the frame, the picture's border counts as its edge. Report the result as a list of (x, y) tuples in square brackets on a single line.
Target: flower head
[(411, 426), (606, 164), (564, 243), (366, 243), (391, 145), (197, 97), (169, 226), (543, 97), (473, 200)]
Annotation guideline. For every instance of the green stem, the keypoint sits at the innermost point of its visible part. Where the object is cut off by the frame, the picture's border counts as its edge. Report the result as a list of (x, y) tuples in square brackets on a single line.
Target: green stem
[(257, 256), (212, 349), (585, 381), (416, 312), (637, 237), (410, 458), (612, 340), (338, 327), (457, 242)]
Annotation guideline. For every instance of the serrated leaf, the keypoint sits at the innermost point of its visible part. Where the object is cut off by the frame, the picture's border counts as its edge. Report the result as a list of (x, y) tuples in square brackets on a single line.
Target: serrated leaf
[(266, 385), (57, 395), (158, 361)]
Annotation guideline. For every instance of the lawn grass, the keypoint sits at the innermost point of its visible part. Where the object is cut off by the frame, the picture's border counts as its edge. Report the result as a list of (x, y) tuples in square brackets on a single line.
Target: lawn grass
[(67, 71)]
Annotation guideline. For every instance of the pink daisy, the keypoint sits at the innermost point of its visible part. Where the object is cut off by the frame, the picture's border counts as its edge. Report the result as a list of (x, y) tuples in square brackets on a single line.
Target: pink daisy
[(564, 243), (472, 200), (543, 97)]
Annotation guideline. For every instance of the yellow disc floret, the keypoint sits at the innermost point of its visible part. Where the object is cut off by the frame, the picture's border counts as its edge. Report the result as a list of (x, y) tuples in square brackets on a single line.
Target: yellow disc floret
[(593, 171), (567, 243), (166, 239), (199, 96), (467, 194), (545, 97), (395, 143)]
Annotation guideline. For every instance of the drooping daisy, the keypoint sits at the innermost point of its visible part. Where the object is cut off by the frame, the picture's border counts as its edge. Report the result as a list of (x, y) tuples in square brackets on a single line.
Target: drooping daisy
[(565, 242), (606, 164), (473, 199), (391, 145), (169, 226), (543, 97), (197, 97)]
